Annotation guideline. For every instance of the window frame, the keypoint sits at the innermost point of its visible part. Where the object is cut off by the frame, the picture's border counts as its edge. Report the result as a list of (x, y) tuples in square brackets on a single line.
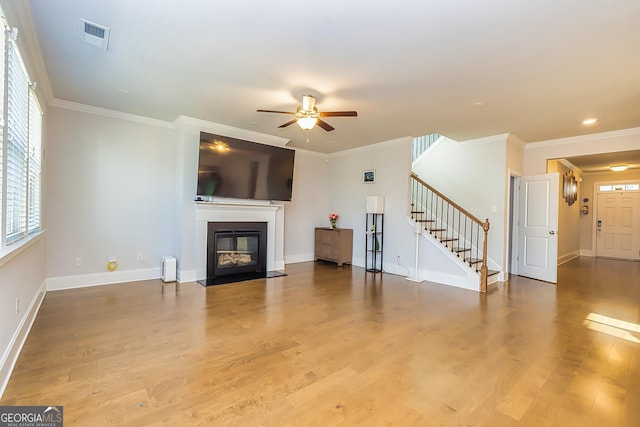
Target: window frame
[(21, 151)]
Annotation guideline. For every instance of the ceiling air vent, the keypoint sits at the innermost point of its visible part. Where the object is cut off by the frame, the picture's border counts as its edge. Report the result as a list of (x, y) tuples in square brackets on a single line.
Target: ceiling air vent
[(94, 34)]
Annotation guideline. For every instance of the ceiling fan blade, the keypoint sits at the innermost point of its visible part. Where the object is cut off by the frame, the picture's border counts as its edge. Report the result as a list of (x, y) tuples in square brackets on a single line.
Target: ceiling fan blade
[(289, 123), (339, 114), (274, 111), (324, 125)]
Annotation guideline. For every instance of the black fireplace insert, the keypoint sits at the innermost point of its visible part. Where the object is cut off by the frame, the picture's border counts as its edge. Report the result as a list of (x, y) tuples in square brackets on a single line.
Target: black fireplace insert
[(236, 251)]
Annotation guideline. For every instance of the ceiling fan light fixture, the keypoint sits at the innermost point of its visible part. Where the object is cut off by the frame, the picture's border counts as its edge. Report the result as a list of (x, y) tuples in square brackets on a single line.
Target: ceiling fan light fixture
[(307, 123), (619, 168)]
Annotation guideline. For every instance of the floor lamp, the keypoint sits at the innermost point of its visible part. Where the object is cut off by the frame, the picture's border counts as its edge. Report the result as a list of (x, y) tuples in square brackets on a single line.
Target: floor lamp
[(375, 209)]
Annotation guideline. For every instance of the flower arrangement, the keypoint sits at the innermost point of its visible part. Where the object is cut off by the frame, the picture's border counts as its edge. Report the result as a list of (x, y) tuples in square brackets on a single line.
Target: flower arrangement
[(332, 219)]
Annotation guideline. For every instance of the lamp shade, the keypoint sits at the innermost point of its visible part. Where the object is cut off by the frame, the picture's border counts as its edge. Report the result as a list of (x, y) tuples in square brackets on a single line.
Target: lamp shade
[(307, 123), (375, 204)]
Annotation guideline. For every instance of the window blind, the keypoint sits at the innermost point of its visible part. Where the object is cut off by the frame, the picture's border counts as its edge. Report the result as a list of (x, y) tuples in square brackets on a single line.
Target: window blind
[(34, 162), (2, 111), (17, 146)]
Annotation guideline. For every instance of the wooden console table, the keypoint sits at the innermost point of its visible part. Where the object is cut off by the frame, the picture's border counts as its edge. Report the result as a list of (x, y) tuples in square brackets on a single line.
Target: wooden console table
[(334, 244)]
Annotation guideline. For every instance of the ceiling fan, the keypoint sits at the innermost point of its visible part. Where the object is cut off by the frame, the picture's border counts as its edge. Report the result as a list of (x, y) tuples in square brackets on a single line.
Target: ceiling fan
[(307, 115)]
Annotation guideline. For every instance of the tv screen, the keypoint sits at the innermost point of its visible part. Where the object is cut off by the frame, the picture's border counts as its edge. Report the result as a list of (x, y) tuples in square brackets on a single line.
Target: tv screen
[(234, 168)]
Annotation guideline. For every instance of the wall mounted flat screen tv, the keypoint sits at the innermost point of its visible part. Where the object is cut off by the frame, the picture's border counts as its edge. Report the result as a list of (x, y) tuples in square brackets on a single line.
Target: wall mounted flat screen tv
[(234, 168)]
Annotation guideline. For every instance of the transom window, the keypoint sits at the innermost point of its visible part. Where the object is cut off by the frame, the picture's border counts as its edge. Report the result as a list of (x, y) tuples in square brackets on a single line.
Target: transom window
[(620, 187)]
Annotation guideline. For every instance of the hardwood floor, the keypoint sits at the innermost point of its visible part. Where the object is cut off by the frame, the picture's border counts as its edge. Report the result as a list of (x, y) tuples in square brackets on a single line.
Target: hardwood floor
[(329, 346)]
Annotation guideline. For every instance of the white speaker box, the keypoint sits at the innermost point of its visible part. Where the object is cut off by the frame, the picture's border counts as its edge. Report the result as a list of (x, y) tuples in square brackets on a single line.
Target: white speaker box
[(168, 269)]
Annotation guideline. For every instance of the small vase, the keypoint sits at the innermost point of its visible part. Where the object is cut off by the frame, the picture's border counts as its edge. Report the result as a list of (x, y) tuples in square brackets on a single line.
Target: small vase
[(333, 224)]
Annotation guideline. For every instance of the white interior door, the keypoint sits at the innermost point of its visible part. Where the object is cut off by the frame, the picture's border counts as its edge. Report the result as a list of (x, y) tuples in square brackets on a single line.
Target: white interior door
[(538, 227), (618, 225)]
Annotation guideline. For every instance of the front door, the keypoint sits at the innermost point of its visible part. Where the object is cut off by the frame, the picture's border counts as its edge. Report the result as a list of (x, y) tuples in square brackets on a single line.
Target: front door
[(538, 227), (618, 225)]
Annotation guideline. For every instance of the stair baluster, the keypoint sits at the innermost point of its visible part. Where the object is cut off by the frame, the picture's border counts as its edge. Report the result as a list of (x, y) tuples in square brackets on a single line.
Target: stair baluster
[(437, 215)]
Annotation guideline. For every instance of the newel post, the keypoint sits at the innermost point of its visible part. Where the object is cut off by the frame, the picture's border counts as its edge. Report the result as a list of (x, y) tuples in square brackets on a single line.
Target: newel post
[(484, 271)]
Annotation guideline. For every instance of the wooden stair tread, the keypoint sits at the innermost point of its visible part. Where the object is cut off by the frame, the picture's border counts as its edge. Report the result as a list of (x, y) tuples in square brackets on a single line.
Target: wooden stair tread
[(425, 220), (492, 272), (458, 250), (473, 260), (448, 239)]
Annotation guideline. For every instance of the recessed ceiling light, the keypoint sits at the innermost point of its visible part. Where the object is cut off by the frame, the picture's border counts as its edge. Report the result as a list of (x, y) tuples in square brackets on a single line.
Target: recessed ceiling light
[(478, 104), (122, 90), (253, 123), (589, 121), (619, 168)]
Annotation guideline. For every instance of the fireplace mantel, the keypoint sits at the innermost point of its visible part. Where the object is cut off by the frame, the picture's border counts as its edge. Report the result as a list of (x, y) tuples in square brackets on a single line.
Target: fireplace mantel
[(241, 211)]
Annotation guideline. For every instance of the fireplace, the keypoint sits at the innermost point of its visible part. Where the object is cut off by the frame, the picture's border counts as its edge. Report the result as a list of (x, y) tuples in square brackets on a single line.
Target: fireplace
[(244, 213), (236, 251), (236, 248)]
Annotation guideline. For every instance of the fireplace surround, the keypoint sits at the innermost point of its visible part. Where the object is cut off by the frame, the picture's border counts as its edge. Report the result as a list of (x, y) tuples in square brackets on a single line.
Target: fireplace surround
[(243, 216)]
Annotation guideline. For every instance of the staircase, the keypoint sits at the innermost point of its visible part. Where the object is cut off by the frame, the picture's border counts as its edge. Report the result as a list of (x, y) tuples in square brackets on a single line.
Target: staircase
[(458, 230), (422, 143)]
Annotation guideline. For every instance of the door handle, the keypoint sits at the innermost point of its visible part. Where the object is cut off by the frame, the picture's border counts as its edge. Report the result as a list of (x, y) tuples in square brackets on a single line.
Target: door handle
[(552, 232)]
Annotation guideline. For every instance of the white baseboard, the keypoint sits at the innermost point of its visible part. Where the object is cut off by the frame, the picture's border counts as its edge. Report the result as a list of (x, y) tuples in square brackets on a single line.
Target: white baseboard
[(298, 258), (96, 279), (468, 281), (11, 353), (568, 257), (587, 252), (185, 276)]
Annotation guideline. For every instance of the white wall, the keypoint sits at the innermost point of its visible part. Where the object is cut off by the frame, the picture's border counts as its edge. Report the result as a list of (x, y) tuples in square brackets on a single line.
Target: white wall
[(514, 168), (21, 276), (473, 174), (309, 206), (536, 154), (110, 191), (391, 161)]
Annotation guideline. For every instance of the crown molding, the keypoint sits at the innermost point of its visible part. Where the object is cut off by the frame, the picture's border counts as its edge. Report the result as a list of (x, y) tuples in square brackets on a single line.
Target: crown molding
[(584, 138), (570, 165), (372, 147), (230, 131), (98, 111)]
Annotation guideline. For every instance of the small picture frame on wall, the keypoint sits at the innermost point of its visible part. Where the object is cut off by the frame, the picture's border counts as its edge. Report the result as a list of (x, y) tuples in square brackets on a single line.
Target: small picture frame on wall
[(369, 176)]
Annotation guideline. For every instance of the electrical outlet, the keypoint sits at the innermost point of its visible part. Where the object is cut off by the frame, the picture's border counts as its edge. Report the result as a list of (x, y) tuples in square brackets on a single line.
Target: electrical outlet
[(78, 262), (140, 258), (17, 305)]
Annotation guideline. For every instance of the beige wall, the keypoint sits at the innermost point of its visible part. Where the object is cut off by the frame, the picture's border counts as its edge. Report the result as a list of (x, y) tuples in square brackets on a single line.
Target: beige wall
[(568, 216)]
